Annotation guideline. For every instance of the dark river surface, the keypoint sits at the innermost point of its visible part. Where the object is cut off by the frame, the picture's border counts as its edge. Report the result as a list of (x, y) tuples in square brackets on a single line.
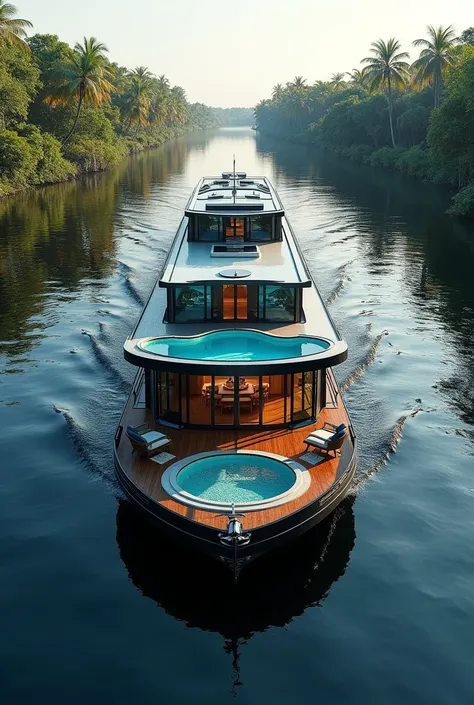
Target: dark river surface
[(374, 606)]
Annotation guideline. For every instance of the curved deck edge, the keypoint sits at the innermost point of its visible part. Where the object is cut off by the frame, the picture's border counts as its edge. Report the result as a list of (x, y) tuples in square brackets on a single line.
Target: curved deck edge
[(263, 538)]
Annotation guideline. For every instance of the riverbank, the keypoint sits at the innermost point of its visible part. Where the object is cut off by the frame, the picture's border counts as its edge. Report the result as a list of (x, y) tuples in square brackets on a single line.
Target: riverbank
[(52, 132), (406, 126), (83, 156), (415, 161)]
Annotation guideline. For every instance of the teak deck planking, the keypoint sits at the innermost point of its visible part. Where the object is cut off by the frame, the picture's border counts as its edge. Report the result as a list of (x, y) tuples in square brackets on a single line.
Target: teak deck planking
[(146, 474)]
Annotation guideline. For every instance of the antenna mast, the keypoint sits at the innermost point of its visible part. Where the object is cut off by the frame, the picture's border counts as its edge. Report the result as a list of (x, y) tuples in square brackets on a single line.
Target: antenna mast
[(234, 191)]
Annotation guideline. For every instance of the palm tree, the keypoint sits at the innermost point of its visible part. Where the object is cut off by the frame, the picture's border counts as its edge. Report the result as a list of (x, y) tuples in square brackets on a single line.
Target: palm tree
[(87, 78), (387, 69), (358, 77), (278, 92), (177, 108), (143, 73), (137, 100), (298, 83), (320, 89), (121, 76), (337, 81), (163, 83), (12, 29), (437, 54)]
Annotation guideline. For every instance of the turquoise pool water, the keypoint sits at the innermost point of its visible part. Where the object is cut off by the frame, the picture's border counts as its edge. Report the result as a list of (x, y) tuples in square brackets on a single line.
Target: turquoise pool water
[(238, 345), (236, 478)]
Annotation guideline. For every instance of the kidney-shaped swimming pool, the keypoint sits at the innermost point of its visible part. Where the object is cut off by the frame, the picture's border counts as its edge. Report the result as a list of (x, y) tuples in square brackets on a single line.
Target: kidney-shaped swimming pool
[(235, 345)]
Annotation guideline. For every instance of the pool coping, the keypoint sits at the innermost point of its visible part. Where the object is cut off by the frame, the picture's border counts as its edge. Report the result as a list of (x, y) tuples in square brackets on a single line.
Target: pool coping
[(315, 339), (170, 485)]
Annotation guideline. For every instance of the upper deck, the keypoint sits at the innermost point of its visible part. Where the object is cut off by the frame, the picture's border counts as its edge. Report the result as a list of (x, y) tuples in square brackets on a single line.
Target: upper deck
[(196, 262), (234, 193), (231, 267)]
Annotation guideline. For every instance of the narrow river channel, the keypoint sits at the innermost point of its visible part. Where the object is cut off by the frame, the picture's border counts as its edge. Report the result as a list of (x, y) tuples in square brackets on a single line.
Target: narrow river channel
[(377, 604)]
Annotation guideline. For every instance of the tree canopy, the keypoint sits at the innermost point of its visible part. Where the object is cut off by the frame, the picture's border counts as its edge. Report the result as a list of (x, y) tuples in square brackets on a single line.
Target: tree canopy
[(417, 118), (67, 110)]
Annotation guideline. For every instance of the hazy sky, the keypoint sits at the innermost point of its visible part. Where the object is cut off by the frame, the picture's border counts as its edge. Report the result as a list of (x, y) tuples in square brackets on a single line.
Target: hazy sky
[(232, 53)]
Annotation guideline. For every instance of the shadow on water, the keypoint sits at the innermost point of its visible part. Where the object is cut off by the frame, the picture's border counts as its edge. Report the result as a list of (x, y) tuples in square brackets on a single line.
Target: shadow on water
[(183, 583)]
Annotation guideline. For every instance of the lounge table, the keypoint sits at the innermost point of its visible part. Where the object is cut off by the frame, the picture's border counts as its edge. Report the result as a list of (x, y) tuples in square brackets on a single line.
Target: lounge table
[(248, 391)]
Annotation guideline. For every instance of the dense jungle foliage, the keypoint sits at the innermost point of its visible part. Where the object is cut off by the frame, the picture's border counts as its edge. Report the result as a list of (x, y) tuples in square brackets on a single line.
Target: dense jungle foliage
[(418, 117), (66, 111)]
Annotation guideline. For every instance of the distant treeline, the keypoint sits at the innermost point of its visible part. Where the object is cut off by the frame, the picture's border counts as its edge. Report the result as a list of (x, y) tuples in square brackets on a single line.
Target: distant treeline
[(239, 117), (67, 111), (416, 117)]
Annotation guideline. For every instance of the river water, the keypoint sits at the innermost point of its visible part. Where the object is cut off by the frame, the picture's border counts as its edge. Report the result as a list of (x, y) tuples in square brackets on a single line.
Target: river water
[(374, 606)]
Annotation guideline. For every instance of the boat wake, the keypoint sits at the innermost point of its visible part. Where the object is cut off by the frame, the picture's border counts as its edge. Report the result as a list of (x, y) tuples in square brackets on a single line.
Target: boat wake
[(83, 448), (389, 447), (133, 291), (102, 357), (127, 271), (342, 278), (368, 360)]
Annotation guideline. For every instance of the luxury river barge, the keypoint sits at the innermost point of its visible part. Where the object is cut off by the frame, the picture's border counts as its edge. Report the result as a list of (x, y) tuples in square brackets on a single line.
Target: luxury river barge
[(235, 436)]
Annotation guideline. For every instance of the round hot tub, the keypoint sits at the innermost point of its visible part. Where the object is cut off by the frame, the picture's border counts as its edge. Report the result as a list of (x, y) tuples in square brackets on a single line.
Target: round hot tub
[(247, 479)]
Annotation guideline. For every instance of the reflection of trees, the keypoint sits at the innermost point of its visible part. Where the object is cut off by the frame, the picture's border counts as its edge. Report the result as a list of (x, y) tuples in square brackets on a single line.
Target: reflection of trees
[(271, 591), (52, 237), (155, 167), (58, 236), (402, 218)]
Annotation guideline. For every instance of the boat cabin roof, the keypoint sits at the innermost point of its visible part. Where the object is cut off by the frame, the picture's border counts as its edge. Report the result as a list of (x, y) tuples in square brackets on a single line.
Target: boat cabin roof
[(234, 193), (198, 262)]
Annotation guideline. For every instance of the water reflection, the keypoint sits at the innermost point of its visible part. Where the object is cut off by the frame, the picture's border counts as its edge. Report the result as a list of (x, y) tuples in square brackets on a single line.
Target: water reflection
[(53, 239), (271, 591)]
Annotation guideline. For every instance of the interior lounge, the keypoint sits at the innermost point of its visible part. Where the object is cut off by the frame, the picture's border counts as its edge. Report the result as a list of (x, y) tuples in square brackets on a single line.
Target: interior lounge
[(211, 401), (233, 302)]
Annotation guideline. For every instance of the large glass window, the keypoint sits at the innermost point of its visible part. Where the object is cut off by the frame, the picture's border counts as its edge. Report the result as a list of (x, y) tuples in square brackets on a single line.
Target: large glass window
[(279, 303), (189, 304), (200, 400), (183, 390), (252, 303), (273, 399), (209, 228), (214, 228), (169, 396), (261, 228), (234, 228), (234, 302), (244, 302), (225, 400), (303, 395)]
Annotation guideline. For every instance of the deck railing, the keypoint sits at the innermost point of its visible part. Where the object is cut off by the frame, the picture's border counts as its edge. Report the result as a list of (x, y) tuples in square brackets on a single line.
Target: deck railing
[(334, 391), (137, 385), (332, 385)]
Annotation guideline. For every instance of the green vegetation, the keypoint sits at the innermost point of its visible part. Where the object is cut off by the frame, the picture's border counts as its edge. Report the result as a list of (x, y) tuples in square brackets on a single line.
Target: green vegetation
[(238, 117), (386, 71), (415, 118), (12, 29), (67, 111)]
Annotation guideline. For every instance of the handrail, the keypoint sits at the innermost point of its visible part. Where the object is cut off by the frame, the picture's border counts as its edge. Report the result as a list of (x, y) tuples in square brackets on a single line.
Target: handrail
[(179, 234), (335, 389), (332, 383), (138, 381)]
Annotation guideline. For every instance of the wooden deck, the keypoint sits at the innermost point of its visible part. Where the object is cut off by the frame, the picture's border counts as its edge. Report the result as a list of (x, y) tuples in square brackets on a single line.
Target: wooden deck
[(146, 474)]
